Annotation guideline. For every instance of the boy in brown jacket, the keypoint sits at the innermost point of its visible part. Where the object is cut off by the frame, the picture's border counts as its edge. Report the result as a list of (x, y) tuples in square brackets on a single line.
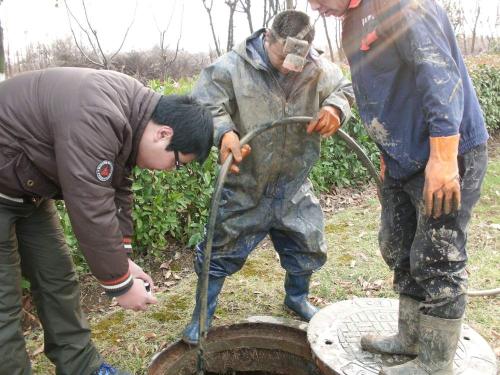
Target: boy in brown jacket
[(75, 134)]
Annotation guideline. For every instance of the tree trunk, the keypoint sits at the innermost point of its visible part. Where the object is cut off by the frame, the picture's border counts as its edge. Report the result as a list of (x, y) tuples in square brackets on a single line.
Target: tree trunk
[(2, 55), (474, 30), (328, 38), (289, 4)]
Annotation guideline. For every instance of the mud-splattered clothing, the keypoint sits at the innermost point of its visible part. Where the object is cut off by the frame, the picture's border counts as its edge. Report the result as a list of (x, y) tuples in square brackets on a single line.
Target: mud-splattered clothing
[(429, 255), (411, 83), (410, 80), (271, 194)]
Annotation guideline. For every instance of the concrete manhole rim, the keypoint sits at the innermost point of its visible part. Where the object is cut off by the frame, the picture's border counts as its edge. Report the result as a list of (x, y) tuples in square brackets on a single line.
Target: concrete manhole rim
[(263, 334), (339, 354)]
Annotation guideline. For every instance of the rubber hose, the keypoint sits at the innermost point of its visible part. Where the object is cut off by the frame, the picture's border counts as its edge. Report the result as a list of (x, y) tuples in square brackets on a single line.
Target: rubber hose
[(221, 178)]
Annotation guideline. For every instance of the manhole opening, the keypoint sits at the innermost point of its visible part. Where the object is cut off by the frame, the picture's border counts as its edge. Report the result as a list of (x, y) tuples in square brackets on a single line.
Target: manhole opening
[(246, 349)]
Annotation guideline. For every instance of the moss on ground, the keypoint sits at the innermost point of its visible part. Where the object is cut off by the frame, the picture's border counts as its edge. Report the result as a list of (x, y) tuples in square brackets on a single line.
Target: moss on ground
[(354, 268)]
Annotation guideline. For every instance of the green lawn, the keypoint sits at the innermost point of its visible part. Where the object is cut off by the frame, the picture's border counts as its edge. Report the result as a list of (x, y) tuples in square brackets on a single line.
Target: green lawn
[(354, 268)]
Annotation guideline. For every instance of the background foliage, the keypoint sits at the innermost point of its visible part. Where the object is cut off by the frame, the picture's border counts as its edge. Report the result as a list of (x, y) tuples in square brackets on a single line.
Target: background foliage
[(485, 73), (173, 207)]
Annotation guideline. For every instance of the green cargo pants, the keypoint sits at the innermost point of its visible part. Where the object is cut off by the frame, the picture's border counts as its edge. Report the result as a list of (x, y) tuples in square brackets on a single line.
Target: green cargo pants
[(32, 244)]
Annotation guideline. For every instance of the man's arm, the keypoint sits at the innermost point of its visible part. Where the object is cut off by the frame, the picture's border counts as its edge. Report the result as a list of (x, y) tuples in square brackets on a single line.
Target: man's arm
[(85, 151), (336, 97), (424, 46), (215, 89), (123, 203), (336, 90)]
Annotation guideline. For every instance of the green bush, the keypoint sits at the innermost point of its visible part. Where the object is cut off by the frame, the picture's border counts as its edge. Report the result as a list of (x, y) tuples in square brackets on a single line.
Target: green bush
[(486, 79), (173, 206), (338, 165)]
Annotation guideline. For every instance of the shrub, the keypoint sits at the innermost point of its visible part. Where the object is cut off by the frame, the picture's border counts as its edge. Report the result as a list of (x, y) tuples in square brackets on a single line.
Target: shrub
[(486, 79), (173, 206), (338, 165)]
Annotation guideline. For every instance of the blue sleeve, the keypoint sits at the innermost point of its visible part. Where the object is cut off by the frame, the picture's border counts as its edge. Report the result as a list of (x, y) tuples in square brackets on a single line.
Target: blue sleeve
[(424, 46)]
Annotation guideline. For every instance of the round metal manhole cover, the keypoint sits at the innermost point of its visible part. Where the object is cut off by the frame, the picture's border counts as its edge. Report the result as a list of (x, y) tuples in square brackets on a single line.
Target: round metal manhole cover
[(334, 335)]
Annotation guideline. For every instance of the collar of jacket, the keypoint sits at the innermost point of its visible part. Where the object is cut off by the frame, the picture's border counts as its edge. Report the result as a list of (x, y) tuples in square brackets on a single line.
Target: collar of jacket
[(144, 104), (249, 54), (354, 4)]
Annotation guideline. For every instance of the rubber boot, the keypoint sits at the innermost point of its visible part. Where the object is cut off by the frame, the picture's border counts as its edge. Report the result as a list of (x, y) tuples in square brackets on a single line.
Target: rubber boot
[(406, 340), (297, 291), (191, 332), (437, 344)]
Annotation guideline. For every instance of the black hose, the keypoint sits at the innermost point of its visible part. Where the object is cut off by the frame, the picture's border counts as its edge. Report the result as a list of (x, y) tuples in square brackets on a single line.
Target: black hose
[(215, 206), (351, 143)]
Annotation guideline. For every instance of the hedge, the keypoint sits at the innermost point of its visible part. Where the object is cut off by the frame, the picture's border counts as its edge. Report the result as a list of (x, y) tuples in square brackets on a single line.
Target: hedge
[(173, 207)]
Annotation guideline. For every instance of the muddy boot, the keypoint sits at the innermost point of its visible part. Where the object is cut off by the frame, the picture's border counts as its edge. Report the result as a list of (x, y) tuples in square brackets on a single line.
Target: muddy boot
[(297, 291), (406, 340), (191, 332), (437, 344)]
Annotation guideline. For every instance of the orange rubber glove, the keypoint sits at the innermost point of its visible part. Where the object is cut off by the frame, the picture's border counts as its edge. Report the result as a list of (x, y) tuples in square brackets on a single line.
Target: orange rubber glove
[(326, 123), (442, 179), (382, 168), (230, 144)]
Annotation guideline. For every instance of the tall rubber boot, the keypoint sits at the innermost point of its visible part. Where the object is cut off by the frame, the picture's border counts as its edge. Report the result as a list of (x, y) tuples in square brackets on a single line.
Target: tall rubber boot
[(437, 344), (406, 340), (191, 332), (297, 291)]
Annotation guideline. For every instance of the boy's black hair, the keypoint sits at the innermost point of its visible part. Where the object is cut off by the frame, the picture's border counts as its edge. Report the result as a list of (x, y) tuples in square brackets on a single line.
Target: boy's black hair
[(290, 23), (191, 122)]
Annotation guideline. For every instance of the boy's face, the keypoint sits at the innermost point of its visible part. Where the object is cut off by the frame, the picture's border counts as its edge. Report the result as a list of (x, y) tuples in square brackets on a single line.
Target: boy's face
[(327, 8), (276, 54)]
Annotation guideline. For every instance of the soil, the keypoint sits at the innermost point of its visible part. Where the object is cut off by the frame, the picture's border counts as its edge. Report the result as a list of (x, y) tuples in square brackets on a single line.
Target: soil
[(179, 261)]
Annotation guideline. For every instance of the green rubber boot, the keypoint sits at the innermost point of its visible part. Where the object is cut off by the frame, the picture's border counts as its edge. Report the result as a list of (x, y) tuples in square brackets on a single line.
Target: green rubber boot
[(437, 344), (406, 340)]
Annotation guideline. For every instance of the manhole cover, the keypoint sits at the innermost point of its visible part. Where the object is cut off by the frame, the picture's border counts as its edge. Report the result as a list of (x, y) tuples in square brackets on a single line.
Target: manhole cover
[(258, 346), (335, 331)]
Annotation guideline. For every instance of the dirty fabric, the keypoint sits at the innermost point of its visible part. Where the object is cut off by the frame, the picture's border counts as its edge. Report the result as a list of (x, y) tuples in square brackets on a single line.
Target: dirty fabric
[(410, 80), (271, 194), (429, 255), (32, 244)]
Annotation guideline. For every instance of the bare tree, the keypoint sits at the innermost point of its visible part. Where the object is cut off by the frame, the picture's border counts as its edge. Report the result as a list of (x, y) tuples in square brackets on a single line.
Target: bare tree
[(271, 8), (98, 57), (167, 60), (328, 38), (246, 6), (232, 4), (474, 27), (2, 52), (208, 8)]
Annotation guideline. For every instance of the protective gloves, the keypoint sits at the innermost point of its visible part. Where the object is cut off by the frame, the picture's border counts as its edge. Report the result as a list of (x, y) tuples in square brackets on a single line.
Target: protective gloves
[(442, 179), (230, 144), (326, 123), (382, 168)]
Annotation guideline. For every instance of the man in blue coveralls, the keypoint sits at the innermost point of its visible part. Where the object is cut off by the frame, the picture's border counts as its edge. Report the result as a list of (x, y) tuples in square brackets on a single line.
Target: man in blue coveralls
[(417, 102), (247, 87)]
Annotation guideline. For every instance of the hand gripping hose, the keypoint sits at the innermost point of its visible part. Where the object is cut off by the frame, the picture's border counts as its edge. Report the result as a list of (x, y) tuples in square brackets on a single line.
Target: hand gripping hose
[(215, 206)]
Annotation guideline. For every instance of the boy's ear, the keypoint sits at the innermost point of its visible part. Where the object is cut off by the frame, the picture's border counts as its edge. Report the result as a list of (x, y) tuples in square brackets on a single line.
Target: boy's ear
[(164, 132)]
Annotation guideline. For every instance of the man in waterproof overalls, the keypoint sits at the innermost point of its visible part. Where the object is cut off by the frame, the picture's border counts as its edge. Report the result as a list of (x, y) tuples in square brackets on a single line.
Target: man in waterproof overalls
[(250, 86), (418, 104)]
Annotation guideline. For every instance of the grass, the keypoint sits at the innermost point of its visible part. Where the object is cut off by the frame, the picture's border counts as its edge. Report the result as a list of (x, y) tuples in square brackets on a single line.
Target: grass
[(354, 268)]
